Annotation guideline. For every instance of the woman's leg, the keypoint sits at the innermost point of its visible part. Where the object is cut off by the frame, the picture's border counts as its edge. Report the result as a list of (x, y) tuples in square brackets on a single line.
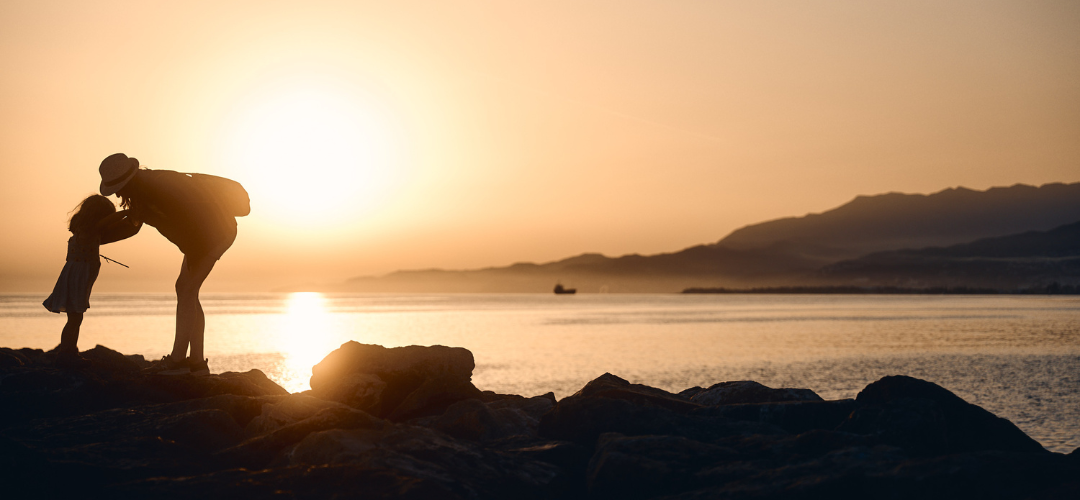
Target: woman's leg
[(69, 336), (190, 320)]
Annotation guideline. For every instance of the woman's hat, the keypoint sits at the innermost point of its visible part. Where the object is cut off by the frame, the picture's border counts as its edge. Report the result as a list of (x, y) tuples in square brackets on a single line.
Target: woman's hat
[(116, 170)]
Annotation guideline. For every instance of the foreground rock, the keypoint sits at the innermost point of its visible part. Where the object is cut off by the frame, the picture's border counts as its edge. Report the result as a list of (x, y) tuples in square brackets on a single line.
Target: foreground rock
[(407, 423), (927, 418), (398, 383), (31, 386)]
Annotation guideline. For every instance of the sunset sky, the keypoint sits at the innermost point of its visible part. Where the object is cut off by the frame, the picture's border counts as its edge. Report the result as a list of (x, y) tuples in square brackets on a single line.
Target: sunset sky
[(376, 136)]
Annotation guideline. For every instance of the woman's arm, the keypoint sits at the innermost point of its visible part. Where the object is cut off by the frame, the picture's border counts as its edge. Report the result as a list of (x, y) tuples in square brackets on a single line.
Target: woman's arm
[(118, 226), (111, 219)]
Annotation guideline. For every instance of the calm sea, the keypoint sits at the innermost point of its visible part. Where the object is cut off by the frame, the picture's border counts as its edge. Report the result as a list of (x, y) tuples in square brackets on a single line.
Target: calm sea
[(1017, 356)]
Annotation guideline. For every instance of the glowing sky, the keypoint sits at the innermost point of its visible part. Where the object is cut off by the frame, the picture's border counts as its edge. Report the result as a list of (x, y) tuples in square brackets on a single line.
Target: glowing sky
[(376, 136)]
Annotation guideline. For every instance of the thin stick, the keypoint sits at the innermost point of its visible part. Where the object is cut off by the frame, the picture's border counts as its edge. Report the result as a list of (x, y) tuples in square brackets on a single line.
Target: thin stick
[(113, 261)]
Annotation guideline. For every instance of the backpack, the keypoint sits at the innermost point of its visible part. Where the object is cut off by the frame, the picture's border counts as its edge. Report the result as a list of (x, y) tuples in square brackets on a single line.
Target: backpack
[(227, 193)]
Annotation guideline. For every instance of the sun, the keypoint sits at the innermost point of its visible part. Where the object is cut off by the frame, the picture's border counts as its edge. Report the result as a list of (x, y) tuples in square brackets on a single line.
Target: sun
[(313, 155)]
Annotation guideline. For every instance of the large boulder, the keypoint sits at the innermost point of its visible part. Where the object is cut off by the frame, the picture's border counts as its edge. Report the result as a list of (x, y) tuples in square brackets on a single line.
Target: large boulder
[(926, 418), (396, 383)]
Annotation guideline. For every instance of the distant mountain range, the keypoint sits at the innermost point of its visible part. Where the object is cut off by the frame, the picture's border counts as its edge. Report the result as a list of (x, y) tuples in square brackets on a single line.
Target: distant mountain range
[(1031, 259), (1006, 236)]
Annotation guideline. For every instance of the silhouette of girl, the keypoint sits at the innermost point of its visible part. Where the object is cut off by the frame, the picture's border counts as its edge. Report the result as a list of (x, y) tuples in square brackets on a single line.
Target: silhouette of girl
[(96, 222), (190, 217)]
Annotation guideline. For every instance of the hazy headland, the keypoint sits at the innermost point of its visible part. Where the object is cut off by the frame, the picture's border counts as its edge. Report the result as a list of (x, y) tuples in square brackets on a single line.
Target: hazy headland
[(1004, 238)]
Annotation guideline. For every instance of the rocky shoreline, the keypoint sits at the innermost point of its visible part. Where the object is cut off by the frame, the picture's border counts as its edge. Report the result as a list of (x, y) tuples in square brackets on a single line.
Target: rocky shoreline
[(408, 423)]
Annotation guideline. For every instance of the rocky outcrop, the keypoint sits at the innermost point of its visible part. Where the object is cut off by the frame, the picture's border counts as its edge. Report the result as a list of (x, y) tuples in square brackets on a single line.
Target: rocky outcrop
[(397, 383), (31, 386), (237, 437), (631, 410), (926, 417), (609, 386)]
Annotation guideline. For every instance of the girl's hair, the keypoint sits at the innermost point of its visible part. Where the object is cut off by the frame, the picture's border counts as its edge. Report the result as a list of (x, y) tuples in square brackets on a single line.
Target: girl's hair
[(90, 212)]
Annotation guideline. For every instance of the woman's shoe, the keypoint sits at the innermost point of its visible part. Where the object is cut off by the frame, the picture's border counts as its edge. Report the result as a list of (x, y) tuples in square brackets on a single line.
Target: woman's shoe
[(169, 366), (199, 368)]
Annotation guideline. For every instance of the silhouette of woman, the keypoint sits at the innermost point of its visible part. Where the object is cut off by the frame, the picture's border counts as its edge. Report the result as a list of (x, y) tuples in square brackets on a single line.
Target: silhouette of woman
[(190, 217)]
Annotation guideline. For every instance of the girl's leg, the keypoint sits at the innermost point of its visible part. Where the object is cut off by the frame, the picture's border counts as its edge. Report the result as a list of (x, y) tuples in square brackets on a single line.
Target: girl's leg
[(190, 320), (69, 337)]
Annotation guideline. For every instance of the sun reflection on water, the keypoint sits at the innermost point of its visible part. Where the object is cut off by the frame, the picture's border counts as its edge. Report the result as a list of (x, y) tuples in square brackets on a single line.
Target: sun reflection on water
[(305, 336)]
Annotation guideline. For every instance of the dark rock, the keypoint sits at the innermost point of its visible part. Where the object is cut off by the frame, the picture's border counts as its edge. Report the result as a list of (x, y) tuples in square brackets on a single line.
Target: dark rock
[(108, 430), (337, 481), (926, 418), (838, 474), (794, 416), (535, 406), (690, 393), (583, 419), (984, 474), (918, 425), (465, 469), (475, 420), (37, 388), (883, 472), (491, 397), (286, 410), (103, 358), (569, 456), (398, 383), (9, 358), (818, 442), (611, 387), (647, 466), (744, 392), (204, 424), (267, 449), (249, 383), (14, 358), (81, 455), (25, 473)]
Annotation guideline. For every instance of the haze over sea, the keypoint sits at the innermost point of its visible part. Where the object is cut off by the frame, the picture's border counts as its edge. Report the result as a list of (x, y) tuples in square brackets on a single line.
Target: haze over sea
[(1016, 356)]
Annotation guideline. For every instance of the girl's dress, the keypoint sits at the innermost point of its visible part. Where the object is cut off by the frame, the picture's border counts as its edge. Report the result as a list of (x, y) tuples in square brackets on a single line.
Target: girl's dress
[(72, 290)]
